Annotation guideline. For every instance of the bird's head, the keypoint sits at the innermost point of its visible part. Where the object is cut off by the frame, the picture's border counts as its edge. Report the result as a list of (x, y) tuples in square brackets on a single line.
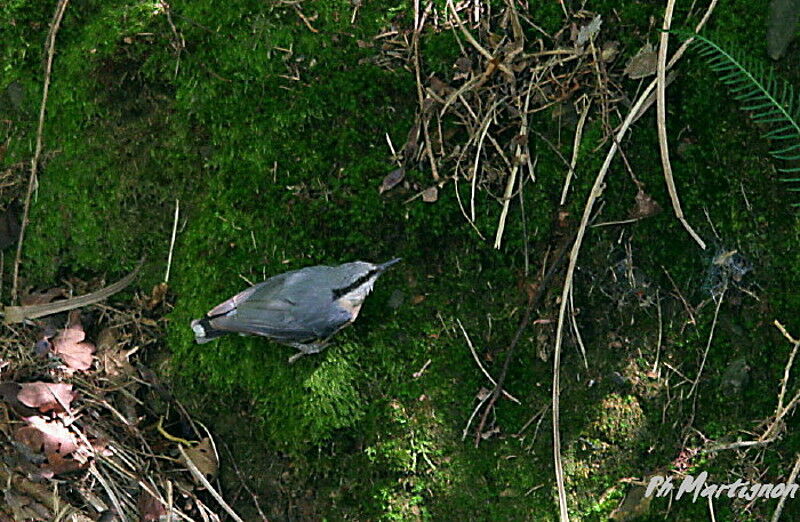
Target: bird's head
[(355, 280)]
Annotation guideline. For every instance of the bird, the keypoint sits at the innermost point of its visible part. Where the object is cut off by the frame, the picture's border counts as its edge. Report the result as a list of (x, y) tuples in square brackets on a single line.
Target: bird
[(302, 308)]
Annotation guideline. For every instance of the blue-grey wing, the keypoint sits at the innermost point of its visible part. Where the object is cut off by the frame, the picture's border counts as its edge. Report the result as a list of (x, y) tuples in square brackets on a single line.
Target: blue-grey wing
[(266, 310)]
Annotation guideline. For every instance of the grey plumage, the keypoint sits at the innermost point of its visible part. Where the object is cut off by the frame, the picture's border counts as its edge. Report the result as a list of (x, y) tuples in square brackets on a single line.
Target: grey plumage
[(302, 308)]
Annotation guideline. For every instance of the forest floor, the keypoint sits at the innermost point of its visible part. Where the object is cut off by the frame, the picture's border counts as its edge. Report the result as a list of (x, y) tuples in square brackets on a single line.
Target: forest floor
[(290, 134)]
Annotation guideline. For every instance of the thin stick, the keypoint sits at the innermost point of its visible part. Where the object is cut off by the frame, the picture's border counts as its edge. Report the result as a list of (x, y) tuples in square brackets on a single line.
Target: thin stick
[(577, 331), (575, 149), (513, 176), (472, 417), (661, 118), (474, 183), (708, 343), (740, 445), (788, 367), (559, 258), (198, 476), (172, 241), (51, 50), (418, 22), (792, 477), (471, 39), (478, 361), (660, 335)]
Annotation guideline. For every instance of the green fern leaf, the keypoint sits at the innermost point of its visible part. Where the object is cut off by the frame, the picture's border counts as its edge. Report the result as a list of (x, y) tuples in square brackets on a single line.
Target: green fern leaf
[(769, 100)]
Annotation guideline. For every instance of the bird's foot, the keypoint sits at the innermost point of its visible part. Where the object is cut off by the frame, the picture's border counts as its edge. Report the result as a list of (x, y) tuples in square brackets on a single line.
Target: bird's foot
[(306, 349)]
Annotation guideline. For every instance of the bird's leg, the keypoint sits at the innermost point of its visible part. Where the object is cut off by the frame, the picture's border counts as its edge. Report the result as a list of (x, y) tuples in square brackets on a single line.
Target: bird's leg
[(306, 349)]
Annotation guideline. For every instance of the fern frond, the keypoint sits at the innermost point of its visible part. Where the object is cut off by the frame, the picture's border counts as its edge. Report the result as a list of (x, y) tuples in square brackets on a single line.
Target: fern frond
[(769, 100)]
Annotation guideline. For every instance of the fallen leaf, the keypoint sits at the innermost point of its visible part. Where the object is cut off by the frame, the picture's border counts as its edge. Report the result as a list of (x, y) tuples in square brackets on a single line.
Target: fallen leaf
[(46, 396), (782, 25), (440, 87), (609, 51), (47, 437), (157, 296), (643, 64), (392, 179), (40, 298), (430, 194), (42, 347), (410, 147), (646, 206), (25, 508), (58, 464), (483, 394), (463, 64), (204, 458), (589, 31), (633, 506), (150, 508), (70, 345), (8, 393), (417, 299), (112, 358)]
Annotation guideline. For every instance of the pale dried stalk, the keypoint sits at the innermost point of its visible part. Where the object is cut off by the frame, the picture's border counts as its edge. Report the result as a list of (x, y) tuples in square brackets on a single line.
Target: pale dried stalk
[(18, 314), (51, 50), (198, 476), (661, 118), (512, 178)]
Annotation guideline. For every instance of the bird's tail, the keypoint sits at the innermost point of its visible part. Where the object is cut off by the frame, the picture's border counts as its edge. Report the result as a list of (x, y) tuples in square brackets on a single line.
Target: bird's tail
[(204, 332)]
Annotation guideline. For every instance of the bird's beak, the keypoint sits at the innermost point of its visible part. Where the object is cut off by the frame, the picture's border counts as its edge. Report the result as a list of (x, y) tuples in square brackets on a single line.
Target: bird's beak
[(387, 264)]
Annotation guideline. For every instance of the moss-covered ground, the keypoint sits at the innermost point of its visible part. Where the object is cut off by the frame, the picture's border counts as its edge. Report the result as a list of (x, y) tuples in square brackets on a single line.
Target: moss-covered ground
[(272, 136)]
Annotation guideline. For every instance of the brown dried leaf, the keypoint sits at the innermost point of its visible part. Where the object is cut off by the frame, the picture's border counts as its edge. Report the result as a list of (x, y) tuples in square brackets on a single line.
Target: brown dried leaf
[(440, 87), (8, 393), (646, 206), (483, 394), (58, 464), (43, 297), (634, 505), (150, 508), (112, 358), (392, 179), (643, 64), (24, 507), (70, 345), (203, 457), (609, 51), (430, 194), (157, 296), (48, 437), (46, 396), (463, 64), (410, 147)]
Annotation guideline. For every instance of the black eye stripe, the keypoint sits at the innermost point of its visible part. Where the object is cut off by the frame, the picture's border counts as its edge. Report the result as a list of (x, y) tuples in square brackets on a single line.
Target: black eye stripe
[(339, 292)]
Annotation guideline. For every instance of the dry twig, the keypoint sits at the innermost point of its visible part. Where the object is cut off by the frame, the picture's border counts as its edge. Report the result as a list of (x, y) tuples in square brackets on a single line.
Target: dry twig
[(51, 50), (661, 108)]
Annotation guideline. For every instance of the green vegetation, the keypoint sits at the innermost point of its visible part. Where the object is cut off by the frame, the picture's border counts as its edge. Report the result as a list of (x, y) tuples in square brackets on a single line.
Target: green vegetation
[(770, 101), (272, 136)]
